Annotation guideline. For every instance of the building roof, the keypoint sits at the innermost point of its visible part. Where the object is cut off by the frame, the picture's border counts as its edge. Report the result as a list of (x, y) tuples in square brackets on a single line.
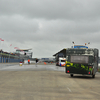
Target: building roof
[(75, 46), (61, 51), (23, 49)]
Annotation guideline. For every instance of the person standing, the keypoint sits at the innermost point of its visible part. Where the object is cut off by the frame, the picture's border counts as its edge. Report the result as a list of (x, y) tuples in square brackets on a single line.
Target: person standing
[(28, 61), (36, 61)]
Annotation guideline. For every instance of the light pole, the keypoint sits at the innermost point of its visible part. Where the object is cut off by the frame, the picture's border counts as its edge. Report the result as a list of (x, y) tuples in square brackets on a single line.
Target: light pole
[(88, 44), (73, 44)]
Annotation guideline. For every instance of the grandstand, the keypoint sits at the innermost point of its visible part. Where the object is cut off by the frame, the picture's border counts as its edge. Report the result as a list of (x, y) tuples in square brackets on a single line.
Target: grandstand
[(7, 57)]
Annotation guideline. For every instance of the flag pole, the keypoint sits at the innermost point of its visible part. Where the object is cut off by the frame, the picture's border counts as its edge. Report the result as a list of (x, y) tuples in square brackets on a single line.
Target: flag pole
[(1, 48), (10, 52)]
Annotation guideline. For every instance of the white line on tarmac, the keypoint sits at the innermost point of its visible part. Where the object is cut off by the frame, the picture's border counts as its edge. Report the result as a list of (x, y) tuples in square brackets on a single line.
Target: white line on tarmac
[(69, 89)]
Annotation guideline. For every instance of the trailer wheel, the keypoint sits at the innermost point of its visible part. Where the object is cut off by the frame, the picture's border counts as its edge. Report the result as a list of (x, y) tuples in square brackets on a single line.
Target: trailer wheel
[(93, 76), (71, 75)]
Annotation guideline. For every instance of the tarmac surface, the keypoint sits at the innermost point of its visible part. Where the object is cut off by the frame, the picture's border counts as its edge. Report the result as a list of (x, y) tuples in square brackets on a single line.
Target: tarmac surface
[(45, 82)]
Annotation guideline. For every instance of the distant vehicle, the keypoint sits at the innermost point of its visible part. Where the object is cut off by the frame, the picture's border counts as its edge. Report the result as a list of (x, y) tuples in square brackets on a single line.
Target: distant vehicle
[(48, 60), (61, 62), (81, 61)]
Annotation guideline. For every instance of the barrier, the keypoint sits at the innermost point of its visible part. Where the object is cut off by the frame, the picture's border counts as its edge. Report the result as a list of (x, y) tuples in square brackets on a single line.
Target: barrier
[(8, 60)]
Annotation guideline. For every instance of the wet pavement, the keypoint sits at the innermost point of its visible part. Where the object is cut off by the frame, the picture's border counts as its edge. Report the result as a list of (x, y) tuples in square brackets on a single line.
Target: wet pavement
[(24, 67), (46, 82)]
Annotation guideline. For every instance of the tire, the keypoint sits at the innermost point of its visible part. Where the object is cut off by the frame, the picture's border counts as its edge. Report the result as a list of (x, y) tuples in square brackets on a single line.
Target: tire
[(71, 75), (93, 76), (56, 64)]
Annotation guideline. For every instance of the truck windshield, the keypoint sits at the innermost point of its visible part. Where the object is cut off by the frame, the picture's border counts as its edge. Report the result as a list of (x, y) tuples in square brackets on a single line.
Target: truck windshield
[(62, 60)]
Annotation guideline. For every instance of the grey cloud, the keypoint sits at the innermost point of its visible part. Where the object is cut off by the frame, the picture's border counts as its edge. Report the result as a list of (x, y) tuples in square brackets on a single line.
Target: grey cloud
[(17, 23), (48, 26), (53, 9), (17, 27)]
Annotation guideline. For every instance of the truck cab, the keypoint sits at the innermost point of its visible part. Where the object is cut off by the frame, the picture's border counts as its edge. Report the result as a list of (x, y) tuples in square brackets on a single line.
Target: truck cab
[(62, 61)]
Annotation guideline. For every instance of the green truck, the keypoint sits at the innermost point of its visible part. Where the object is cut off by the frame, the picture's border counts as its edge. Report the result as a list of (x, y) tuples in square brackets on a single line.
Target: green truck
[(81, 61)]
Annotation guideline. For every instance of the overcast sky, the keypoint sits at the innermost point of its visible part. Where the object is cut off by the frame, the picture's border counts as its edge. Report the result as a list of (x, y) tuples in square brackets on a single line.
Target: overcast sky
[(48, 26)]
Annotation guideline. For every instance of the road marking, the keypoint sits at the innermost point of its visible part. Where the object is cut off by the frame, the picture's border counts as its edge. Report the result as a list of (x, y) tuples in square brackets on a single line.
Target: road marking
[(69, 89)]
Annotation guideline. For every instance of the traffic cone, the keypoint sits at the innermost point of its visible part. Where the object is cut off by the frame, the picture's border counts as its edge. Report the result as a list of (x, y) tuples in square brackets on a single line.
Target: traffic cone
[(20, 64), (45, 63)]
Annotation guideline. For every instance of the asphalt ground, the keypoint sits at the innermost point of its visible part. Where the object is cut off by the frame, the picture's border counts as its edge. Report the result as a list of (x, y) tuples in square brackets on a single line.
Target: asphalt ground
[(46, 82)]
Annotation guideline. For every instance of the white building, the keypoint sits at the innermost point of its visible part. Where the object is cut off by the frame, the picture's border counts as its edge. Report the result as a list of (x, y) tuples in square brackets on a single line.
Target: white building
[(26, 52)]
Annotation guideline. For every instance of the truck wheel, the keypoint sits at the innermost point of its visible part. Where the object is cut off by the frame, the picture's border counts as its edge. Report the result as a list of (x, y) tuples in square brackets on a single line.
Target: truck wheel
[(56, 64), (93, 76), (71, 75)]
